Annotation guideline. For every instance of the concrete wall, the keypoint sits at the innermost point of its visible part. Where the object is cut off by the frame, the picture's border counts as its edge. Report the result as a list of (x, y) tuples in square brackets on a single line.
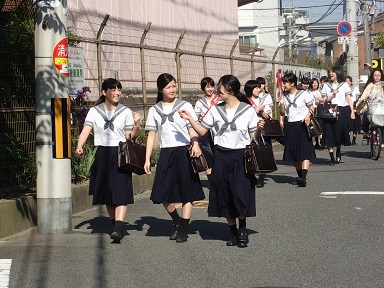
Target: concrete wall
[(19, 214)]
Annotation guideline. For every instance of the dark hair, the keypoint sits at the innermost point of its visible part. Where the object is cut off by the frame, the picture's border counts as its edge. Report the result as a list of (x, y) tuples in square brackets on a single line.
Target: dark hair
[(249, 86), (290, 77), (232, 85), (324, 79), (349, 78), (110, 83), (370, 78), (305, 80), (206, 81), (311, 83), (162, 81), (339, 73), (262, 82)]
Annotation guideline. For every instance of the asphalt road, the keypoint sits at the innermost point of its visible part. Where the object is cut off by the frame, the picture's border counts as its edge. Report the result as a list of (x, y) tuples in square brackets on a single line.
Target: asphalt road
[(301, 237)]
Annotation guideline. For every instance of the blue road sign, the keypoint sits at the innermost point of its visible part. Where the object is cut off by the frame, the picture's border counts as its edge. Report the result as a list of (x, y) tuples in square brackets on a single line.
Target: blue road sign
[(344, 28)]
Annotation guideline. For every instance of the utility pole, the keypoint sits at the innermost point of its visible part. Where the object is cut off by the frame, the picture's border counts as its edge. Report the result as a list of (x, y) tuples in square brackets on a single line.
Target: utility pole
[(294, 56), (53, 184), (367, 35), (352, 56)]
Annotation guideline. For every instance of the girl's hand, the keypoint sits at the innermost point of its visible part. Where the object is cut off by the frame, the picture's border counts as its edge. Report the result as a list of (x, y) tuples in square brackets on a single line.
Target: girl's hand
[(79, 151), (260, 107), (260, 124), (184, 114), (147, 167), (306, 120), (196, 150), (136, 118)]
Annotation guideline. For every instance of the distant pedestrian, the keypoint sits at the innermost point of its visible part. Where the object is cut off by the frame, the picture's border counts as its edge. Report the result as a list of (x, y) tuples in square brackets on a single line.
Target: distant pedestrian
[(233, 193), (174, 181), (111, 122), (253, 89), (297, 105), (355, 123), (336, 131), (202, 105), (317, 99)]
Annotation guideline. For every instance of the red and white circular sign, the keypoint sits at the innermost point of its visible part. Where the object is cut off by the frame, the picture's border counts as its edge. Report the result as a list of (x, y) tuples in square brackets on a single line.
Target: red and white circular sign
[(60, 57)]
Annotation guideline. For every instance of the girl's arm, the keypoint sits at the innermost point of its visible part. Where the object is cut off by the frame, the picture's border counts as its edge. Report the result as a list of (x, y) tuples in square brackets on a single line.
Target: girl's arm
[(184, 114), (82, 138), (135, 131), (196, 150), (148, 151)]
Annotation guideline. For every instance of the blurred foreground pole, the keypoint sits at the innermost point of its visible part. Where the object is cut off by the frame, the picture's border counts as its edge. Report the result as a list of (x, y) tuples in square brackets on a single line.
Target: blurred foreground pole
[(53, 143)]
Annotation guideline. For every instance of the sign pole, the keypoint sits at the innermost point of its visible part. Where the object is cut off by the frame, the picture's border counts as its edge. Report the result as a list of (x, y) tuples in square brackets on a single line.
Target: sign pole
[(53, 183), (352, 56)]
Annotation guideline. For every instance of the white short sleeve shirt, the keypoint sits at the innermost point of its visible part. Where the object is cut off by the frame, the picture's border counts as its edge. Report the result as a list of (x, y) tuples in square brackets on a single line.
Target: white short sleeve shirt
[(109, 134), (265, 99), (233, 136), (171, 133), (343, 91), (297, 105)]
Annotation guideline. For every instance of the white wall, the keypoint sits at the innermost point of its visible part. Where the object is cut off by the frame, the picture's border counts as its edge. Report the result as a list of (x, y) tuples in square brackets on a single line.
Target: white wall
[(263, 20), (216, 17)]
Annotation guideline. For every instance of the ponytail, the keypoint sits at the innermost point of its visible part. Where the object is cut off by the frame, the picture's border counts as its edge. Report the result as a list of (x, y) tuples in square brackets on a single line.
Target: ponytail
[(100, 100)]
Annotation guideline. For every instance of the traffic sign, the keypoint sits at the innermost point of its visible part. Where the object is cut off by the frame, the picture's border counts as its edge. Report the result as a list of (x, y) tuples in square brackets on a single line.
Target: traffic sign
[(344, 28), (343, 40)]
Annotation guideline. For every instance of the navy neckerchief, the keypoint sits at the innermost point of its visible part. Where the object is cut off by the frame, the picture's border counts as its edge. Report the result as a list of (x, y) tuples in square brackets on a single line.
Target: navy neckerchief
[(109, 122), (239, 111), (293, 103), (159, 108)]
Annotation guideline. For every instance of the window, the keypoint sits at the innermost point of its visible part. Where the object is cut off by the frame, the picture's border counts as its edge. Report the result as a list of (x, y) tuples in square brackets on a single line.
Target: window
[(247, 43)]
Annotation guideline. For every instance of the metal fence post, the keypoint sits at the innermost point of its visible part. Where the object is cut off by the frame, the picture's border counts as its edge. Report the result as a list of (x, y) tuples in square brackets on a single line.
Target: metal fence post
[(205, 56), (98, 46), (142, 62), (178, 63), (231, 56)]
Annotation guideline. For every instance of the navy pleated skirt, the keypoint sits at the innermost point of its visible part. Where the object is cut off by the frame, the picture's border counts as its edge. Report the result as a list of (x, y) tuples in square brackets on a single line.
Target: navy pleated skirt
[(108, 184), (233, 192), (298, 145), (174, 180), (336, 132), (355, 124)]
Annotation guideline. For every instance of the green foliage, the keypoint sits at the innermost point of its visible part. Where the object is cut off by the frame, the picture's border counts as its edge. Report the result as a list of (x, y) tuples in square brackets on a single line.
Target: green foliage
[(81, 166), (379, 40), (142, 139), (23, 168)]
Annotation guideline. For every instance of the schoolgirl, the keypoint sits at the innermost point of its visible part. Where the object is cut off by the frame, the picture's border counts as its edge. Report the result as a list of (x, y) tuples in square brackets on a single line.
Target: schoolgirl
[(298, 106), (202, 105), (111, 122), (317, 98), (252, 89), (233, 193), (174, 181), (356, 123), (264, 99), (336, 132)]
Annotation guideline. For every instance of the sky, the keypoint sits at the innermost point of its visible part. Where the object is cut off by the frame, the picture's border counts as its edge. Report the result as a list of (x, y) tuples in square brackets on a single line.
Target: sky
[(318, 8)]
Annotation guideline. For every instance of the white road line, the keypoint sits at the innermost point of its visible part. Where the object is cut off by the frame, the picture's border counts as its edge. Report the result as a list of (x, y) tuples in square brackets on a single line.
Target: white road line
[(5, 271), (336, 193)]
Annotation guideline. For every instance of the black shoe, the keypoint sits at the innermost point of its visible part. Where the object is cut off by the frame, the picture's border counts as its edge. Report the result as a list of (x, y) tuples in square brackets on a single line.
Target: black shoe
[(260, 184), (301, 182), (182, 237), (116, 237), (338, 159), (317, 146), (175, 232), (295, 181), (242, 238), (232, 241)]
